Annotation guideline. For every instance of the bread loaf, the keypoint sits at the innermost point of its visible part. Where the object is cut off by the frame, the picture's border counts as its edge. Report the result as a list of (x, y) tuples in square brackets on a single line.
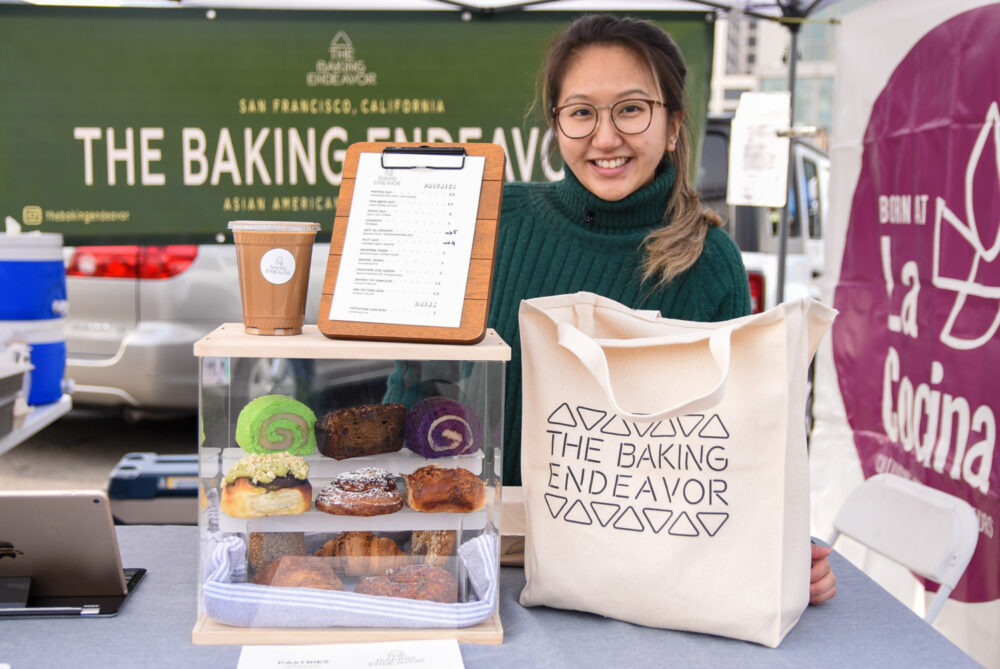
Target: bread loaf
[(352, 432)]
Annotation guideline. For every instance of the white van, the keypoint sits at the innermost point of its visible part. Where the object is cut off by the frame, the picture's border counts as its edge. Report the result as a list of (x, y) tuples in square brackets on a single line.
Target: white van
[(756, 229)]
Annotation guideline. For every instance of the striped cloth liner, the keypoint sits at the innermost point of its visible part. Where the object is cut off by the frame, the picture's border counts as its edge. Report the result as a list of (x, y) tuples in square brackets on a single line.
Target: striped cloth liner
[(251, 605)]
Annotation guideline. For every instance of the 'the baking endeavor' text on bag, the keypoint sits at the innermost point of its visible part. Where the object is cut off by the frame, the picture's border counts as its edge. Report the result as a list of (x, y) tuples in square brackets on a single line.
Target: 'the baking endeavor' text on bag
[(664, 464)]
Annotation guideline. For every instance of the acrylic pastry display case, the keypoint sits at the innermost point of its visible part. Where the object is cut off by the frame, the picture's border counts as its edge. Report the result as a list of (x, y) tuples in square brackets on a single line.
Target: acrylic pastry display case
[(350, 490)]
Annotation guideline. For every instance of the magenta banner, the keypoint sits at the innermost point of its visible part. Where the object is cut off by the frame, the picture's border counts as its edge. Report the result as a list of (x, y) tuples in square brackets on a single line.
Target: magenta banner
[(916, 346)]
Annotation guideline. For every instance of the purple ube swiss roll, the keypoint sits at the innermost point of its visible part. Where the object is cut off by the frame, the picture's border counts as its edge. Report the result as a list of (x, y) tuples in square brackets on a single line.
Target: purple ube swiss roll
[(437, 427)]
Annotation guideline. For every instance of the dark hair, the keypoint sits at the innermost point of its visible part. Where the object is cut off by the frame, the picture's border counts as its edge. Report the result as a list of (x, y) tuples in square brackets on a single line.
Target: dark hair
[(673, 248)]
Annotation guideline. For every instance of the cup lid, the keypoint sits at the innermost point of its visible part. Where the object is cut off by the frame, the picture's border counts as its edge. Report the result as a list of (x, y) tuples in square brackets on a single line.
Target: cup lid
[(273, 226), (33, 238)]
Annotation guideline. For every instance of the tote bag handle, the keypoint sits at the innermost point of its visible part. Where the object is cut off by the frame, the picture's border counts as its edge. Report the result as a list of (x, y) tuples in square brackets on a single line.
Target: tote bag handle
[(591, 354)]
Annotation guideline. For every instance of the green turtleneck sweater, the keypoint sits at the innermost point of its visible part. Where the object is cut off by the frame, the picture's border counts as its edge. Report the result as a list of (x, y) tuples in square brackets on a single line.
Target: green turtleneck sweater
[(557, 238)]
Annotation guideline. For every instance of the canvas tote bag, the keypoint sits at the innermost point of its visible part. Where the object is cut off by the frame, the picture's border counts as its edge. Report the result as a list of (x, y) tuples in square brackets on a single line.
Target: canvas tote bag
[(664, 464)]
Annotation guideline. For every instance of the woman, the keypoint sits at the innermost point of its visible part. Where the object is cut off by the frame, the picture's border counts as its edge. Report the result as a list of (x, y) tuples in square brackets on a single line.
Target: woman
[(625, 222)]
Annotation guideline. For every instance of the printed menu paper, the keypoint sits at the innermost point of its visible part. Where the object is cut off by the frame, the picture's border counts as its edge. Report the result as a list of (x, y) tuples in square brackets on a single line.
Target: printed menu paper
[(408, 243), (438, 653)]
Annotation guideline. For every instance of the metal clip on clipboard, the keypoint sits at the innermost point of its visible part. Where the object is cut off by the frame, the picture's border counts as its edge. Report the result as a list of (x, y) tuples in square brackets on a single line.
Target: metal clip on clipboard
[(428, 157)]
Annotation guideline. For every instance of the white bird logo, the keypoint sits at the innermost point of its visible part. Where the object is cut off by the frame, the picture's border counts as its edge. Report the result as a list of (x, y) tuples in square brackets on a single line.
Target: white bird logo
[(964, 287)]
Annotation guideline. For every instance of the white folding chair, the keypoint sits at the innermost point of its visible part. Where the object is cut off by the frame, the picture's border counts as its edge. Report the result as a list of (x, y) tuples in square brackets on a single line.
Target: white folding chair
[(926, 530)]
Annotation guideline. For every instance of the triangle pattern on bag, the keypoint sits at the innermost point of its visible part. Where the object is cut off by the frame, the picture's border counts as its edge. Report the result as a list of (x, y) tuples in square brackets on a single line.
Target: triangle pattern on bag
[(590, 417), (714, 429), (668, 429), (629, 520), (604, 512), (689, 422), (657, 518), (641, 432), (555, 504), (712, 521), (617, 427), (683, 527), (563, 415), (578, 514)]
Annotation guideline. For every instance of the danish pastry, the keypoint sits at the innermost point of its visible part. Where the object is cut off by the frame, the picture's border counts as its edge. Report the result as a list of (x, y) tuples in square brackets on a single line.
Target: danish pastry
[(370, 491), (420, 581), (300, 571), (437, 489)]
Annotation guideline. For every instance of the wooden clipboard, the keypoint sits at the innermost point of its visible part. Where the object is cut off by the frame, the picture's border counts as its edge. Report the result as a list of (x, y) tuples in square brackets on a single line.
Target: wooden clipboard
[(475, 304)]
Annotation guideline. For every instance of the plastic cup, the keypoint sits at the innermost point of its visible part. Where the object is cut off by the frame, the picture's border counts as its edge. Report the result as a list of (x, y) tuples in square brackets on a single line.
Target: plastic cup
[(273, 259)]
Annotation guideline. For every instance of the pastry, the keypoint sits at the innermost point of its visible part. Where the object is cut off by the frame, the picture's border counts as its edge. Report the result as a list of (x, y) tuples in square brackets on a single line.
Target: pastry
[(437, 427), (435, 545), (276, 423), (368, 429), (300, 571), (363, 553), (275, 484), (419, 581), (434, 488), (265, 547), (370, 491)]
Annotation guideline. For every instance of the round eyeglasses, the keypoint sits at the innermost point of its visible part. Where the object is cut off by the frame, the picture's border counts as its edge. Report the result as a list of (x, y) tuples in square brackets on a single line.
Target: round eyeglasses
[(579, 119)]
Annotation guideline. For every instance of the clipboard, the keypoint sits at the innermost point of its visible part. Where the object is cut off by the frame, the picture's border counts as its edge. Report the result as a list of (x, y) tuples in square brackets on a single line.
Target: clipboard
[(409, 233)]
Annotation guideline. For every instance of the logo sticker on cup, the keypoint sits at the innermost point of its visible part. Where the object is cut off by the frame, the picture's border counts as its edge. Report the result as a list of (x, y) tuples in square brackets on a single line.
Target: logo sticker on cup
[(277, 266)]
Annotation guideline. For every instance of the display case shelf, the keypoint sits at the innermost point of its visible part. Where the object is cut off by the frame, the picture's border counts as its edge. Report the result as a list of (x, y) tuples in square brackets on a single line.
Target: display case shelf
[(322, 468), (319, 521)]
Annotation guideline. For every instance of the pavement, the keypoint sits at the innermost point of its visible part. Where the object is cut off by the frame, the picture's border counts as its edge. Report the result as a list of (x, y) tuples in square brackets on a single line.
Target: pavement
[(80, 449)]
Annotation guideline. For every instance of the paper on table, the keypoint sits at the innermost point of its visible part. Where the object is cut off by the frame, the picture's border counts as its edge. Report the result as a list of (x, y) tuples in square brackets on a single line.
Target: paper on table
[(408, 243), (437, 653)]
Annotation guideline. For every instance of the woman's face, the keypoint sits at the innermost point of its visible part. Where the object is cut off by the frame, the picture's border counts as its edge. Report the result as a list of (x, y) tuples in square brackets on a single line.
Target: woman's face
[(612, 165)]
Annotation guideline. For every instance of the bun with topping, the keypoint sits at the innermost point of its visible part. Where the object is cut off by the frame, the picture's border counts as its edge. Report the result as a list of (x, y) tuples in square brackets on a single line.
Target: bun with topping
[(272, 484)]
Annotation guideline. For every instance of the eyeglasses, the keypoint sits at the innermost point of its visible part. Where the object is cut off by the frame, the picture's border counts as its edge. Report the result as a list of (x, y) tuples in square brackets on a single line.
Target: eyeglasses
[(579, 119)]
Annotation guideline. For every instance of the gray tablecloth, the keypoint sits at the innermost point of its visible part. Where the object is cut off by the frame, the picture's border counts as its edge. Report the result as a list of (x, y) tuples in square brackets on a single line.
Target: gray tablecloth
[(863, 626)]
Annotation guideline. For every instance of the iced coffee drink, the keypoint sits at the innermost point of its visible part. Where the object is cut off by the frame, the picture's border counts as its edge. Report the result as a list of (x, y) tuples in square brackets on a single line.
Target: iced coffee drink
[(274, 259)]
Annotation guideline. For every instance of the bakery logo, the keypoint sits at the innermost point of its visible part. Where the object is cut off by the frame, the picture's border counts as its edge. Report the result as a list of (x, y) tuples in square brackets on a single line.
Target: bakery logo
[(971, 283), (277, 266), (387, 177), (342, 69), (919, 285), (665, 477), (396, 658)]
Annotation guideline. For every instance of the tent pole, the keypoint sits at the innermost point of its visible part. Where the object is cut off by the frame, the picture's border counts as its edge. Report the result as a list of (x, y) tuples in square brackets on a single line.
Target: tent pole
[(783, 223)]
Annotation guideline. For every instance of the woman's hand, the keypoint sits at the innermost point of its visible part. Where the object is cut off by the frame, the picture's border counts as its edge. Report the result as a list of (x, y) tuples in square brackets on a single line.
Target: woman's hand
[(822, 581)]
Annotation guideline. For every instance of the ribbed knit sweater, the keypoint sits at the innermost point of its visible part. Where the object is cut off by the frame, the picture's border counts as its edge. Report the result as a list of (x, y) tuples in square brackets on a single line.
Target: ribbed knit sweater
[(557, 238)]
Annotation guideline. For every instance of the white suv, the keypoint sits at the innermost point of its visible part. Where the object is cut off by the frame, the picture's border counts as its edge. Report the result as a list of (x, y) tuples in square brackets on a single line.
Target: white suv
[(136, 311)]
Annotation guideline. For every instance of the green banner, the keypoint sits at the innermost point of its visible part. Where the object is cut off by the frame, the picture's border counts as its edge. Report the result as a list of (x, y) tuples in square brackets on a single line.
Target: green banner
[(160, 125)]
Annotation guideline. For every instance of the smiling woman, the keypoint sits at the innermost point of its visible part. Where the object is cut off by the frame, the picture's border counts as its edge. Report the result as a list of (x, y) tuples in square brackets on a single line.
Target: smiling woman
[(625, 222)]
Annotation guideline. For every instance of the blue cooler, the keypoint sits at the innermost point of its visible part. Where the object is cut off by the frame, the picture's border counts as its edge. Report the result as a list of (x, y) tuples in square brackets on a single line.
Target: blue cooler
[(33, 262), (47, 342), (32, 306)]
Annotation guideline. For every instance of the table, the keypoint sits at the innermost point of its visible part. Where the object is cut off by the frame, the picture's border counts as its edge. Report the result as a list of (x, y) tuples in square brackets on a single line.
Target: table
[(37, 418), (862, 626)]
